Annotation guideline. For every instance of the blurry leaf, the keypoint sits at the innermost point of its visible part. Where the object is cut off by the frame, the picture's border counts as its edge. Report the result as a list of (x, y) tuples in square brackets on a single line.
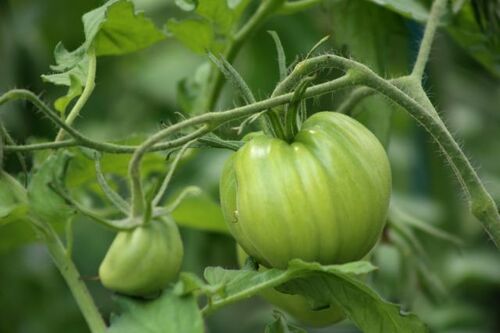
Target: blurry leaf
[(399, 216), (220, 15), (199, 211), (478, 268), (197, 35), (412, 9), (212, 27), (13, 199), (74, 90), (188, 283), (15, 227), (480, 40), (168, 313), (16, 234), (44, 202), (279, 325), (191, 91), (186, 5), (82, 171), (358, 26), (334, 283)]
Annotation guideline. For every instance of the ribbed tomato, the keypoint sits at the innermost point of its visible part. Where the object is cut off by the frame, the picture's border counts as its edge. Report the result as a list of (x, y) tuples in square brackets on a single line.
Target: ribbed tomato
[(143, 261), (324, 197)]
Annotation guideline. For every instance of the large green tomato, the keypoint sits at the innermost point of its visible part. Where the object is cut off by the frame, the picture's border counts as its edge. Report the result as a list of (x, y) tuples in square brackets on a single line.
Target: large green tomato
[(143, 261), (297, 305), (324, 197)]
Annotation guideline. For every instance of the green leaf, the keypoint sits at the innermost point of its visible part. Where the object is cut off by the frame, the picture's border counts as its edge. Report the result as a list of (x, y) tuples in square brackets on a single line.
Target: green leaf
[(169, 313), (322, 284), (279, 325), (44, 202), (191, 91), (412, 9), (115, 28), (68, 64), (75, 89), (196, 35), (13, 199), (199, 211), (210, 30), (15, 227), (112, 29), (361, 304)]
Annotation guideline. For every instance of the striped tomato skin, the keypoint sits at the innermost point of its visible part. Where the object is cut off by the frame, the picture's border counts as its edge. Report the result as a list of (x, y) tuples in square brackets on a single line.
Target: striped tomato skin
[(323, 197)]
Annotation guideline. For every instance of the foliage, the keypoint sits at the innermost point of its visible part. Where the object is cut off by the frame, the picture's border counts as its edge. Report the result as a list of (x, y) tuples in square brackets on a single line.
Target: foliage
[(51, 188)]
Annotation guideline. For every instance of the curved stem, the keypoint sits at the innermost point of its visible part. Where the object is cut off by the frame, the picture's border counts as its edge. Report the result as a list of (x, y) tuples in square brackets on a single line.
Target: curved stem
[(482, 205), (166, 181), (70, 274), (437, 10), (82, 100), (138, 199), (212, 120)]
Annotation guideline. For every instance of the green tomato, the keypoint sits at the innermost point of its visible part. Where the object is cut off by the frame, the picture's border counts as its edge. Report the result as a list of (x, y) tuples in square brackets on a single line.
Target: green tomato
[(143, 261), (324, 197), (297, 305)]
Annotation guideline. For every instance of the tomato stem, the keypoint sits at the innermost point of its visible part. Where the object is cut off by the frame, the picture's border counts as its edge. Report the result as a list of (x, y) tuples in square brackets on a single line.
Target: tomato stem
[(72, 277)]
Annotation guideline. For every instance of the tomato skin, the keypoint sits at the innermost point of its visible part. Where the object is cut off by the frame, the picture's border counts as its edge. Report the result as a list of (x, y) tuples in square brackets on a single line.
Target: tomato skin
[(143, 261), (297, 305), (322, 198)]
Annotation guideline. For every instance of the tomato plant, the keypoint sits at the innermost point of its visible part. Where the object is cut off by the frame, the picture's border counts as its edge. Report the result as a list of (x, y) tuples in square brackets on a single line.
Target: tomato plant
[(183, 129)]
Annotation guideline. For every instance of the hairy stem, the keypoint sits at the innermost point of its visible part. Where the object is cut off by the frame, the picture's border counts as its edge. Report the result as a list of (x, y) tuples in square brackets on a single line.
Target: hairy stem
[(212, 120), (82, 100), (480, 202), (437, 10), (76, 285)]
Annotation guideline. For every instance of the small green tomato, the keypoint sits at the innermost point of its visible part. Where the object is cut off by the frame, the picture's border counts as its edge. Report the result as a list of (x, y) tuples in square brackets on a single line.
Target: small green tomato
[(143, 261)]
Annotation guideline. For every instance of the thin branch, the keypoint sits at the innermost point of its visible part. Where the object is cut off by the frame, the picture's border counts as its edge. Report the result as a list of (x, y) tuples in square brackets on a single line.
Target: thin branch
[(437, 10), (166, 181), (114, 197), (72, 277), (82, 100)]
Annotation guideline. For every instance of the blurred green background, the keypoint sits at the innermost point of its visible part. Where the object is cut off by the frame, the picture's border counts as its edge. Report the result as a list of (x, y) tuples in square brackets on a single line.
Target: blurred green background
[(459, 289)]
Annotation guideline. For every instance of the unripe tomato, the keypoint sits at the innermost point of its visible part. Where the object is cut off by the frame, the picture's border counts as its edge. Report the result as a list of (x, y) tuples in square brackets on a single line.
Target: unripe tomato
[(144, 260), (297, 305), (324, 197)]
